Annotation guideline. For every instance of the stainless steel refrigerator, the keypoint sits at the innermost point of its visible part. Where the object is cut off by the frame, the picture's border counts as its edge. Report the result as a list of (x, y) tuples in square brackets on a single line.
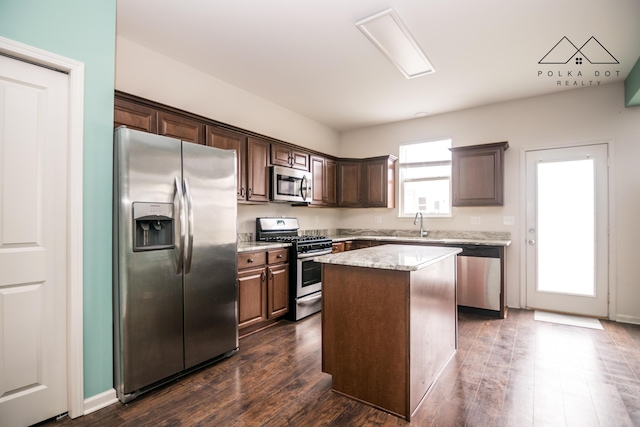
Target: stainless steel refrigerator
[(175, 262)]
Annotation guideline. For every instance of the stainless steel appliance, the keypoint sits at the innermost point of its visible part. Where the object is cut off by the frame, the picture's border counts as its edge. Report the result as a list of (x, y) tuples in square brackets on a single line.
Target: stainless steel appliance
[(305, 280), (175, 290), (479, 275), (290, 185)]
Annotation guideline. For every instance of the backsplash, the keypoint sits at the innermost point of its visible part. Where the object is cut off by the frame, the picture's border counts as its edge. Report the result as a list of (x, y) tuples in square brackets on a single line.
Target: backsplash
[(435, 234)]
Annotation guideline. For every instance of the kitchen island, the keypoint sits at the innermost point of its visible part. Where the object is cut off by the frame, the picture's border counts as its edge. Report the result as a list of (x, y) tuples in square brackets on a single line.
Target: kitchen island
[(389, 322)]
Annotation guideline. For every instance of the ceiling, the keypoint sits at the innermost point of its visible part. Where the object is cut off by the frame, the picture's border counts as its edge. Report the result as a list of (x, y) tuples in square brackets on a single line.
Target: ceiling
[(308, 56)]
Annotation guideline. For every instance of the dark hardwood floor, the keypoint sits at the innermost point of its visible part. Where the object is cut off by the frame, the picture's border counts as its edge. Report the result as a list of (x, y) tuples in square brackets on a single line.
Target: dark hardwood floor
[(512, 372)]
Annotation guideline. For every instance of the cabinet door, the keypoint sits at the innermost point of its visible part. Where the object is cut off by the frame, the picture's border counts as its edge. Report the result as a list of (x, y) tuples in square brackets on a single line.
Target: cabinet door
[(257, 170), (477, 175), (252, 293), (280, 155), (230, 140), (135, 116), (299, 160), (375, 183), (330, 181), (278, 290), (350, 184), (317, 180), (283, 155), (180, 127), (337, 247), (379, 182)]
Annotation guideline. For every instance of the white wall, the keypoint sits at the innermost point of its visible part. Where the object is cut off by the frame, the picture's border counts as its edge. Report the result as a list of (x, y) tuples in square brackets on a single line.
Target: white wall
[(584, 115), (148, 74)]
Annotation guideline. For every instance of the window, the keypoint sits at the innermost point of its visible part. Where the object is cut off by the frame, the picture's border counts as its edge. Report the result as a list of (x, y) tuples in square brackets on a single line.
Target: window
[(425, 178)]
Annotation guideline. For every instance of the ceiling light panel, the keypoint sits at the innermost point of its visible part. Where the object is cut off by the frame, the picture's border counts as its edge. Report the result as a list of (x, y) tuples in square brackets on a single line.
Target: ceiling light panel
[(387, 32)]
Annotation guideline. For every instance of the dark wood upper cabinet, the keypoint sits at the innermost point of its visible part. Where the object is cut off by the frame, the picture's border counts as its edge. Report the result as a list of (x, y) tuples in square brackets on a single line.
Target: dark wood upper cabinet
[(134, 116), (257, 170), (331, 182), (323, 178), (379, 182), (230, 140), (353, 183), (283, 155), (368, 183), (180, 127), (477, 174), (350, 183)]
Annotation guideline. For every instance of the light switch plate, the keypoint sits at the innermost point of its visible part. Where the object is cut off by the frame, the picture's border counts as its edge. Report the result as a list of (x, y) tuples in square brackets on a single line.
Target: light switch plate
[(475, 220), (509, 220)]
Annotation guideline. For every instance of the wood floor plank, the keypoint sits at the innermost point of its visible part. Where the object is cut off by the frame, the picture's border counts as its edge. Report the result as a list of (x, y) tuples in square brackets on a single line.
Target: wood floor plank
[(507, 372)]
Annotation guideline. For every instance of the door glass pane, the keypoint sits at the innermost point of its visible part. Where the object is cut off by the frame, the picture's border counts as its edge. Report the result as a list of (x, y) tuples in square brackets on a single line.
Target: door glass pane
[(566, 227)]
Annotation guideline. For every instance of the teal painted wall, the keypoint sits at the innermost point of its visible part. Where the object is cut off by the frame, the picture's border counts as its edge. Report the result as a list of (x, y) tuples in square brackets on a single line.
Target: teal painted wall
[(85, 31), (632, 86)]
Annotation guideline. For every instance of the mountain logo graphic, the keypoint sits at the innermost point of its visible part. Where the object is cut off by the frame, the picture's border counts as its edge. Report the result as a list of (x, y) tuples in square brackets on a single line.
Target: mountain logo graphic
[(592, 51)]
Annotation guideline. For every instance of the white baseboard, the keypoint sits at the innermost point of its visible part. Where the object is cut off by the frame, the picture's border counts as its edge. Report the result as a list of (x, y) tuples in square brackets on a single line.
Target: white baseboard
[(628, 319), (99, 401)]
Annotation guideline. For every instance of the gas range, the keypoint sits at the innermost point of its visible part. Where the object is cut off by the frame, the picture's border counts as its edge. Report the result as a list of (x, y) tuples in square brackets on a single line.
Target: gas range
[(305, 277), (285, 230)]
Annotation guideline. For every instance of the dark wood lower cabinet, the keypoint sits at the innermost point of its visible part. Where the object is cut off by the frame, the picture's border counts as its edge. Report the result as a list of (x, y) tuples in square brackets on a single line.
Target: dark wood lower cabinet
[(387, 334), (278, 290), (263, 289)]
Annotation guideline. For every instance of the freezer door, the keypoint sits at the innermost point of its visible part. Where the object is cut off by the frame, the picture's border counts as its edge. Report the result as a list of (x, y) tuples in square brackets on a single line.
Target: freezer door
[(148, 319), (210, 288)]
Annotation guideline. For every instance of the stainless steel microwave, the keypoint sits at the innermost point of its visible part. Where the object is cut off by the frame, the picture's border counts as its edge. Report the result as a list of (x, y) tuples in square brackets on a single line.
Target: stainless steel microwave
[(290, 185)]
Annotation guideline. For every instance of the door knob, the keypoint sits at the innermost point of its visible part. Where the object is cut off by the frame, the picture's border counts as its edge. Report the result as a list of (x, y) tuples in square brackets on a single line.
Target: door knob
[(532, 242)]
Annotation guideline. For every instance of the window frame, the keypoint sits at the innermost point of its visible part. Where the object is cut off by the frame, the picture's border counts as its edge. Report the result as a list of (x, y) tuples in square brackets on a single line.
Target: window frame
[(437, 163)]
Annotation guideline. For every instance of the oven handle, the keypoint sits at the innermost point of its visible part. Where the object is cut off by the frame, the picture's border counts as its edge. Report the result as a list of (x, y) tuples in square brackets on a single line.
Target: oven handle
[(310, 299), (313, 254)]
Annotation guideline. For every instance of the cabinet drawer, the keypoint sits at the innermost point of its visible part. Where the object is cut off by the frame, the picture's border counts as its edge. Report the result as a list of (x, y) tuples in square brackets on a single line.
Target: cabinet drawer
[(251, 259), (278, 255)]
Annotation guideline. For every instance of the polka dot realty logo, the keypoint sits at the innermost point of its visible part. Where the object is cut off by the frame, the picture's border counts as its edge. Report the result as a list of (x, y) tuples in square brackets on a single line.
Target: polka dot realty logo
[(588, 65)]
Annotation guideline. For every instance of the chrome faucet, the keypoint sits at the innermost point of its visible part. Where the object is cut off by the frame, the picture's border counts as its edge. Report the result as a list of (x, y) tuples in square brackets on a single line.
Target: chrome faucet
[(423, 233)]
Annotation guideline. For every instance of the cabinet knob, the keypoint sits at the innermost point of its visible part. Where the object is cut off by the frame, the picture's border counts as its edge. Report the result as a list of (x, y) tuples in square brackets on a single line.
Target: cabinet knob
[(279, 256), (250, 260)]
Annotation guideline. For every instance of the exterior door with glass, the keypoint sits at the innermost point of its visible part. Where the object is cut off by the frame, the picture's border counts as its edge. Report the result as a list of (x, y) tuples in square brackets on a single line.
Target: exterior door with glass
[(567, 230)]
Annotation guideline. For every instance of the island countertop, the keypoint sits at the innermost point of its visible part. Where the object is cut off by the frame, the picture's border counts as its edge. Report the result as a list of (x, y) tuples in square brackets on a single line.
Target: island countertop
[(390, 257)]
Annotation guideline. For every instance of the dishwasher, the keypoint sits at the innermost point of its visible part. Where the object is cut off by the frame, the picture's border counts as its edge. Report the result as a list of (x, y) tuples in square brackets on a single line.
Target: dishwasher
[(479, 277)]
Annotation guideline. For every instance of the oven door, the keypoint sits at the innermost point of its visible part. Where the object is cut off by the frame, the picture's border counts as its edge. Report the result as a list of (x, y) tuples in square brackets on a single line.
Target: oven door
[(309, 273)]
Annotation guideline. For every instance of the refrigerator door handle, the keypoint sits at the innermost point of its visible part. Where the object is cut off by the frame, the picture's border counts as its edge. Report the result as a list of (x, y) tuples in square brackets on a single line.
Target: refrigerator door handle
[(180, 233), (189, 242)]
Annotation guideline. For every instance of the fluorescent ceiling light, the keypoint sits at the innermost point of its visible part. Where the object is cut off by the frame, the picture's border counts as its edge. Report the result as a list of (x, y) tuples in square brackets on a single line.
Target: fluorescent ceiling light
[(388, 33)]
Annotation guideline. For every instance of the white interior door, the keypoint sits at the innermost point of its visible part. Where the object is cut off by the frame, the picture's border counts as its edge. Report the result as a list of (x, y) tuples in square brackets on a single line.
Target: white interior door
[(567, 230), (33, 242)]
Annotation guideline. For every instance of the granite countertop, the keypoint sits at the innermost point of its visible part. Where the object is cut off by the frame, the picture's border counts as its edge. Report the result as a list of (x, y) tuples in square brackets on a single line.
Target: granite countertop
[(442, 240), (481, 238), (258, 246), (391, 257)]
